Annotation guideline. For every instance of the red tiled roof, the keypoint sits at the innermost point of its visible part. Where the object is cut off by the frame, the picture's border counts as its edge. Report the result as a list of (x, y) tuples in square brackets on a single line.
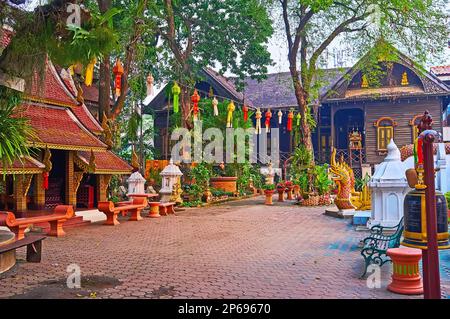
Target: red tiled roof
[(50, 89), (441, 70), (106, 162), (5, 37), (24, 165), (59, 128), (85, 117), (81, 110)]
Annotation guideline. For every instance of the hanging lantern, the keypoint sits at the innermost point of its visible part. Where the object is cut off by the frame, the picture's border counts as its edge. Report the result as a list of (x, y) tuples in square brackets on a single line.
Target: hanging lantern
[(231, 108), (290, 119), (245, 110), (118, 72), (297, 118), (268, 117), (258, 116), (280, 117), (149, 84), (89, 77), (176, 90), (195, 98), (211, 92), (48, 167), (215, 103)]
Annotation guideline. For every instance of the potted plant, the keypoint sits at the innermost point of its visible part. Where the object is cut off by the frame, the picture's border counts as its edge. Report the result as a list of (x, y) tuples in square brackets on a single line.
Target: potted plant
[(225, 179), (322, 184), (269, 189), (281, 189), (289, 190)]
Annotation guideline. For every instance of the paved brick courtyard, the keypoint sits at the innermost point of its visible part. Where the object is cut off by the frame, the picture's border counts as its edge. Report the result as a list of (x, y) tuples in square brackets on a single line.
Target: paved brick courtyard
[(239, 250)]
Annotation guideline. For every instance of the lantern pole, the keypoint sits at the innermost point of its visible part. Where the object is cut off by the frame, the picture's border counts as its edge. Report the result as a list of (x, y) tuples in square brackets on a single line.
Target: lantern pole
[(431, 278)]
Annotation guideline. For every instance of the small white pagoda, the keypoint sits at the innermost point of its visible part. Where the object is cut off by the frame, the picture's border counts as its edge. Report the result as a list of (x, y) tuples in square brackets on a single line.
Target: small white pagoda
[(136, 183), (170, 176), (389, 187)]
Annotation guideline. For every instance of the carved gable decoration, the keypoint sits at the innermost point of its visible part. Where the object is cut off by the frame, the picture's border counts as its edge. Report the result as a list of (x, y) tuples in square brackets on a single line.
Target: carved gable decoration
[(397, 78)]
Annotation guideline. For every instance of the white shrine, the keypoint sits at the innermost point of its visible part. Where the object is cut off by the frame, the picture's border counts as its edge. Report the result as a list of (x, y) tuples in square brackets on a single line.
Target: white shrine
[(170, 176), (389, 187), (136, 183)]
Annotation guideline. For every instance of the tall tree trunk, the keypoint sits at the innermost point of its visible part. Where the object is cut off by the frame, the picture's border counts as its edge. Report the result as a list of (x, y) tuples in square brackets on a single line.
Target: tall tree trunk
[(302, 101), (185, 103), (104, 93), (104, 90)]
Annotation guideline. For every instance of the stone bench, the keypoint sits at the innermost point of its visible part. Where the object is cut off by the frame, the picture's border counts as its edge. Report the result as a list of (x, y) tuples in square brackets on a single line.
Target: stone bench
[(34, 247), (111, 211), (163, 208), (56, 220)]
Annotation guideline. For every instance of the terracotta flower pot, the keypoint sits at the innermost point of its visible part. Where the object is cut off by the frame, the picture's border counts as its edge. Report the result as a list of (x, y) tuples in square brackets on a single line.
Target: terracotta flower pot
[(289, 191), (269, 195), (280, 194), (227, 184)]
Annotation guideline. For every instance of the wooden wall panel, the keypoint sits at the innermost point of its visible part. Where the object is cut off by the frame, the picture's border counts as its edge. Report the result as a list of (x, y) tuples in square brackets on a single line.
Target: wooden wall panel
[(401, 111)]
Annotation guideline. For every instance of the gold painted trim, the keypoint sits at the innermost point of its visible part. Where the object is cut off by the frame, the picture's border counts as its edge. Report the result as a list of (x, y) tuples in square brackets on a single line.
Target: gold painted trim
[(101, 172), (48, 101), (22, 171), (67, 147)]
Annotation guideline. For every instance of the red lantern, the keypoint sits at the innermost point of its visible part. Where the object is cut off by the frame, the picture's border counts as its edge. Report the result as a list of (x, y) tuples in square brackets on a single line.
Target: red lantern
[(118, 72), (195, 98), (268, 117), (245, 110), (45, 182), (289, 121)]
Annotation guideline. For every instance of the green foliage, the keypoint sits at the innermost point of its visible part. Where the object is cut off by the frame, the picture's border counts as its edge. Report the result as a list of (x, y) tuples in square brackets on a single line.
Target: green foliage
[(195, 203), (44, 32), (321, 181), (195, 191), (201, 173), (15, 130), (249, 173), (447, 198), (268, 187), (361, 182), (230, 34)]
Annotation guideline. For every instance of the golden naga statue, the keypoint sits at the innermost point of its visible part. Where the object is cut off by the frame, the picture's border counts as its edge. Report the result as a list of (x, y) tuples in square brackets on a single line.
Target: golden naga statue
[(343, 179)]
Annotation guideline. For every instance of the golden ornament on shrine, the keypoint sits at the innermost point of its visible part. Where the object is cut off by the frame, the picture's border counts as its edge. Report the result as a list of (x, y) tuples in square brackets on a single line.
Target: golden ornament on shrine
[(364, 82), (405, 81)]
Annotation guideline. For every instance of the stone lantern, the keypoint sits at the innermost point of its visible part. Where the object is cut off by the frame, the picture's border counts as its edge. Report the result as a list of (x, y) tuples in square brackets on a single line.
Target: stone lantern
[(136, 184), (389, 188), (171, 175)]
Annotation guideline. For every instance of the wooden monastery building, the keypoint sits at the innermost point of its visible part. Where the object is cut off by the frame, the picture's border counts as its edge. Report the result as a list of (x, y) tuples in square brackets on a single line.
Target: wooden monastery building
[(355, 116)]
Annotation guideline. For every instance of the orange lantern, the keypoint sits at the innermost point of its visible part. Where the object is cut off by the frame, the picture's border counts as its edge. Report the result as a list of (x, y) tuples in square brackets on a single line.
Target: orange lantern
[(245, 110), (290, 119), (195, 98), (118, 72), (268, 117)]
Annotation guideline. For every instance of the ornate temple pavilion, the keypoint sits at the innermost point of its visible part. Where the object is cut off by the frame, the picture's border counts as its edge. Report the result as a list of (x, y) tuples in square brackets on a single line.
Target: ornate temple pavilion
[(69, 162)]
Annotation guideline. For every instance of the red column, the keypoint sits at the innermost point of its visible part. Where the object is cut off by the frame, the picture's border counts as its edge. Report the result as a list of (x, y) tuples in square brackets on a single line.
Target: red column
[(431, 278)]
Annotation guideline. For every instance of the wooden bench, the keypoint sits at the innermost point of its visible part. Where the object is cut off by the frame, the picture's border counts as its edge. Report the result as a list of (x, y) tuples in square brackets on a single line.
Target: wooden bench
[(34, 247), (56, 221), (376, 245), (164, 208), (111, 211)]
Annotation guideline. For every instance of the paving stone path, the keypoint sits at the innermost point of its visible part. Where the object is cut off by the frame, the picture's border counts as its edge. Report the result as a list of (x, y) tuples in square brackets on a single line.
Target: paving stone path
[(242, 249)]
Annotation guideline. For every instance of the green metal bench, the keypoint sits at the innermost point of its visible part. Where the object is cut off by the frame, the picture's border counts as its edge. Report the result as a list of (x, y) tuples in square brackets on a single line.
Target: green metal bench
[(376, 245)]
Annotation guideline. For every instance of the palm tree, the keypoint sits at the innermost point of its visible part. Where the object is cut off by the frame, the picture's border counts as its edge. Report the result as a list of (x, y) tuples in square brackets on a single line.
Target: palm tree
[(15, 131)]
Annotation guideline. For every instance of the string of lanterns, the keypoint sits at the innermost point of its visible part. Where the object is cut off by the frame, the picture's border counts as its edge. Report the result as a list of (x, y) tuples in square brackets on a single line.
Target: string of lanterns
[(231, 107), (118, 71)]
